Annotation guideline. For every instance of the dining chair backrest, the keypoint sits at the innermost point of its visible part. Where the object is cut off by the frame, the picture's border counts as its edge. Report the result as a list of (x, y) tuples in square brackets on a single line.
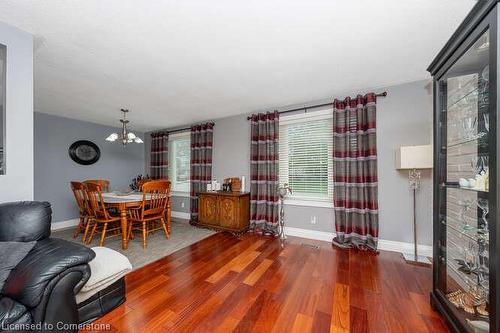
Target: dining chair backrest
[(141, 182), (96, 202), (155, 198), (144, 181), (79, 192), (104, 183)]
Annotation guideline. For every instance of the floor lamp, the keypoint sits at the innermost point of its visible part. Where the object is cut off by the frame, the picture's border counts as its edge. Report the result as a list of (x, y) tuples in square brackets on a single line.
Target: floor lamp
[(414, 159)]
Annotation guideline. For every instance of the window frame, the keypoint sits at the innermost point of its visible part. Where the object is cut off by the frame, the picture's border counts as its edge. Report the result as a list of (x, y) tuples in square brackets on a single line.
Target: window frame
[(171, 161), (320, 114)]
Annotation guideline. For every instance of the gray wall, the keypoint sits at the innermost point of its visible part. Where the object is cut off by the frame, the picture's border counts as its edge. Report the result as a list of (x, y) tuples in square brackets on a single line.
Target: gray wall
[(404, 118), (54, 169), (17, 183)]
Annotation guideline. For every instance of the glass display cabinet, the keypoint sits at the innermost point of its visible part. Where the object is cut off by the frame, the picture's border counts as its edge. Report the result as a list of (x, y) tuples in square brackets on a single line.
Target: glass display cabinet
[(465, 174)]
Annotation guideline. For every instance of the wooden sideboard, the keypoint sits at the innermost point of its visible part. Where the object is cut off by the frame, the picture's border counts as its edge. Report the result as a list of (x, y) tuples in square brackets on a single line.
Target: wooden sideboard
[(225, 210)]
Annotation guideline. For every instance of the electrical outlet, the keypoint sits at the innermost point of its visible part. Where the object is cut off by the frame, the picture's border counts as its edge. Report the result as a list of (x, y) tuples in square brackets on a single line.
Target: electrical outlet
[(313, 219), (182, 204)]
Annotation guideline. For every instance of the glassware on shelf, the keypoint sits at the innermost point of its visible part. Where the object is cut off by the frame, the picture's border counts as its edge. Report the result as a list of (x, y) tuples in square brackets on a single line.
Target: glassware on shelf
[(480, 167), (469, 126), (465, 206), (475, 165), (485, 73), (483, 255), (485, 208), (483, 86), (470, 262)]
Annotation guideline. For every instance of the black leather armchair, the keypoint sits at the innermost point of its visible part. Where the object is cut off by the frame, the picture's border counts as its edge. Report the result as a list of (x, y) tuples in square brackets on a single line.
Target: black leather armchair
[(40, 290)]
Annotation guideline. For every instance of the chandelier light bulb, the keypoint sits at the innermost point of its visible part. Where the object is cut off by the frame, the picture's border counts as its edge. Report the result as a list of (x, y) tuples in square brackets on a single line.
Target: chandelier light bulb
[(112, 137)]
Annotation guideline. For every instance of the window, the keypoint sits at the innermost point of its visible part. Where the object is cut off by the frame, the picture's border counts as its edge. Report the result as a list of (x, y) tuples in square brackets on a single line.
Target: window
[(306, 149), (179, 165)]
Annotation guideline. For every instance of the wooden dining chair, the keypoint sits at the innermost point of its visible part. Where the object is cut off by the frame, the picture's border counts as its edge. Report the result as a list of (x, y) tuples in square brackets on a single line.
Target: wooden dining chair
[(104, 183), (154, 207), (142, 182), (86, 217), (102, 218)]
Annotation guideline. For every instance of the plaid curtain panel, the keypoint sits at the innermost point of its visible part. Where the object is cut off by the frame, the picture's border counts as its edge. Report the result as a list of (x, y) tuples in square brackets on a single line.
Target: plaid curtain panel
[(355, 189), (264, 172), (201, 163), (159, 155)]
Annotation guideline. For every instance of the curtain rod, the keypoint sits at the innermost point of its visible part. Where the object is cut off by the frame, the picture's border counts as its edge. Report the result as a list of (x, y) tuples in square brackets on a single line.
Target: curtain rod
[(382, 94), (180, 129)]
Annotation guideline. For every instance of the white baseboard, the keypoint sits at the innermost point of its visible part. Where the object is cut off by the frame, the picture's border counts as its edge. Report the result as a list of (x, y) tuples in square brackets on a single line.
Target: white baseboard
[(181, 215), (387, 245), (64, 224), (311, 234)]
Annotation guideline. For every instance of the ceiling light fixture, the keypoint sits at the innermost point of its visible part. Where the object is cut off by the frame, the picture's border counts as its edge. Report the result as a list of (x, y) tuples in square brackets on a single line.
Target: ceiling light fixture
[(125, 136)]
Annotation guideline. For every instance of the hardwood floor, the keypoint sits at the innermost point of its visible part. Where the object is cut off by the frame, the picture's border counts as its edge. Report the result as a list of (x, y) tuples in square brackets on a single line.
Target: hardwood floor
[(224, 284)]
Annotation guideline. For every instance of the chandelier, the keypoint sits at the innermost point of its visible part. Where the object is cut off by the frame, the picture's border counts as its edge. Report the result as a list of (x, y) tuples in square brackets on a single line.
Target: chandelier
[(125, 136)]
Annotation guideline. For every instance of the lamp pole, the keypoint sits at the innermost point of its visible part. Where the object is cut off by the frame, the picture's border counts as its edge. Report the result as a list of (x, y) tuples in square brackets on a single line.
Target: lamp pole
[(414, 176)]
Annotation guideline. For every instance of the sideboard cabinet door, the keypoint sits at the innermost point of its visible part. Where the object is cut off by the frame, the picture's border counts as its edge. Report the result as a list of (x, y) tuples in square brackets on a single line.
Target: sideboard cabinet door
[(228, 212), (208, 209)]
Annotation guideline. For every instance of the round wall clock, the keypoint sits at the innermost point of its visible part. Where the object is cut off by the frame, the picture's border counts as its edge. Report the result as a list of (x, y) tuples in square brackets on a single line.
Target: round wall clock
[(84, 152)]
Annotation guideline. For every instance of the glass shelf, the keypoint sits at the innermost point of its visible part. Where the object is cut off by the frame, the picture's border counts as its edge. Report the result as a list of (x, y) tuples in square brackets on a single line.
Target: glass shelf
[(470, 84), (456, 103), (456, 186), (479, 137), (469, 233)]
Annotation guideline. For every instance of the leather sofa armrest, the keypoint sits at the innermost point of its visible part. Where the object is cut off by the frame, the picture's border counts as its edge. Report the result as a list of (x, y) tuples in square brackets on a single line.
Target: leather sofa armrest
[(58, 306), (49, 258)]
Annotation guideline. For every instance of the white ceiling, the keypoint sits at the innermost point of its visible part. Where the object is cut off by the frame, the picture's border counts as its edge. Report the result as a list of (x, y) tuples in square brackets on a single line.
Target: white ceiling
[(177, 62)]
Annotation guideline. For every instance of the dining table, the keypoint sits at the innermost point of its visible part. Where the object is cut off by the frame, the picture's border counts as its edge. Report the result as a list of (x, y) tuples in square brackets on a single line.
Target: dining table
[(123, 202)]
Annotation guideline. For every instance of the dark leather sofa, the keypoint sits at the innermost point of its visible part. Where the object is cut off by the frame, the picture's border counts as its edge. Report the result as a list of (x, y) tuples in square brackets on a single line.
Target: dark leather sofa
[(40, 290)]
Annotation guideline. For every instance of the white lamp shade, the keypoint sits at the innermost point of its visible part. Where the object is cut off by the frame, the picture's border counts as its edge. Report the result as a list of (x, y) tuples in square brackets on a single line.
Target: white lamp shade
[(414, 157), (112, 137)]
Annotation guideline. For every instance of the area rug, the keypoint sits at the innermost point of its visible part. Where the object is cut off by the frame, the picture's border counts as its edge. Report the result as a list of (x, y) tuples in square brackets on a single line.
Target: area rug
[(183, 234)]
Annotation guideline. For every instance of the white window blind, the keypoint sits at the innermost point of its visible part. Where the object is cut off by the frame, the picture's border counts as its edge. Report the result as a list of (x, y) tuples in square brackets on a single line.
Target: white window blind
[(179, 156), (306, 148)]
